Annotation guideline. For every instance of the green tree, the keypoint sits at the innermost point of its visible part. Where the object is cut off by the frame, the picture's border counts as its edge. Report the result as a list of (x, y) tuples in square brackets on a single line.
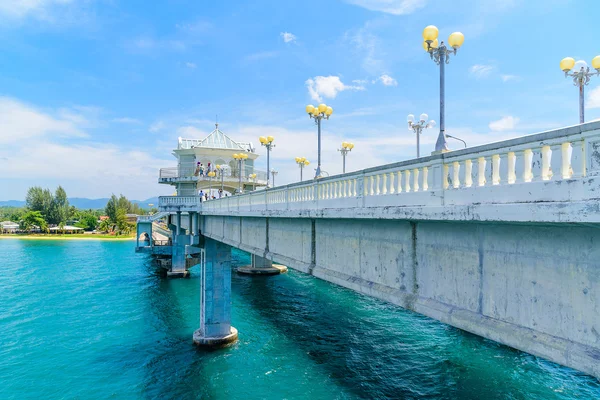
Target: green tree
[(105, 226), (34, 218), (59, 207), (87, 221)]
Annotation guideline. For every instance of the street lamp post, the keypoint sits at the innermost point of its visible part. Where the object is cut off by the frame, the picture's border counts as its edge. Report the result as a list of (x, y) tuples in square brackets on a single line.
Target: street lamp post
[(581, 77), (273, 172), (240, 157), (302, 162), (440, 54), (211, 175), (346, 148), (459, 139), (268, 143), (253, 177), (222, 169), (418, 127), (318, 113)]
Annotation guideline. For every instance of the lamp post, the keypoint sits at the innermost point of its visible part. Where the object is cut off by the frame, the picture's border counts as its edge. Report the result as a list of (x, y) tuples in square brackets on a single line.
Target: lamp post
[(253, 178), (268, 143), (581, 77), (240, 157), (222, 169), (440, 54), (211, 175), (459, 139), (346, 148), (302, 162), (418, 127), (273, 172), (318, 113)]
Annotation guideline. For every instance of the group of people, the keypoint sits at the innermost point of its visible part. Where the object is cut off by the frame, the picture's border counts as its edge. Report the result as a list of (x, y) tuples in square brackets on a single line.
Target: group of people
[(202, 171), (204, 196)]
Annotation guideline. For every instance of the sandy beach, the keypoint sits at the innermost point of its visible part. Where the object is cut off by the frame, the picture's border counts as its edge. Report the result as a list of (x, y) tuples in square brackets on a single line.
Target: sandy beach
[(64, 237)]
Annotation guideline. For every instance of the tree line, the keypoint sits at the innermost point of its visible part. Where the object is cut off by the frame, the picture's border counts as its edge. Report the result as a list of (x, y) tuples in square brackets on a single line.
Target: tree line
[(44, 209)]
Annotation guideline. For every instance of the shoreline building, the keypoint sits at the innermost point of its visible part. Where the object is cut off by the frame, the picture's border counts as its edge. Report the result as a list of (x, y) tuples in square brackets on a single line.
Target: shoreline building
[(215, 153), (174, 244)]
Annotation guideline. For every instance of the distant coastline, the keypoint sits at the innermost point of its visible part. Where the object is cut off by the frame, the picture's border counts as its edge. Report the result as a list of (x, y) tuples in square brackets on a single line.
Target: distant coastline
[(65, 237)]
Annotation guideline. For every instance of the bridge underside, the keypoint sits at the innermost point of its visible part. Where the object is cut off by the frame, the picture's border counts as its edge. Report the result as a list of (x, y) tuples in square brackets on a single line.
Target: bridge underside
[(534, 287)]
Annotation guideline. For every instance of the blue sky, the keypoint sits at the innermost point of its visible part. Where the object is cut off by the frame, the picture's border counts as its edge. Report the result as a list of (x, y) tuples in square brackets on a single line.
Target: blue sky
[(94, 93)]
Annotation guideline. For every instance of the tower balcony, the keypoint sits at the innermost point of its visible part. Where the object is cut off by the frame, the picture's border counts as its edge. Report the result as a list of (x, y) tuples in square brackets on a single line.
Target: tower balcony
[(184, 174)]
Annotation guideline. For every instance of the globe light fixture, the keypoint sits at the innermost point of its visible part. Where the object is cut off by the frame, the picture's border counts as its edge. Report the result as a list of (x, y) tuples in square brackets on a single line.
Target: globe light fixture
[(581, 77), (346, 148), (418, 126), (268, 143), (440, 54), (302, 162), (322, 111)]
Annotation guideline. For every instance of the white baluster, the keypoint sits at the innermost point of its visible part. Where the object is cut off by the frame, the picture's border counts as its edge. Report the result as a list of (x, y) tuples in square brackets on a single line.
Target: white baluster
[(557, 159), (536, 164), (384, 184), (503, 165), (486, 163), (392, 183), (425, 178), (445, 170), (407, 180), (546, 163), (468, 177), (577, 159), (415, 180), (399, 182)]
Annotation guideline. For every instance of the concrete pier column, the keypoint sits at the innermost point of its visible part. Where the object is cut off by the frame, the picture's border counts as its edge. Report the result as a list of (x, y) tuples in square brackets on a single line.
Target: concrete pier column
[(178, 223), (215, 297), (191, 223), (261, 266)]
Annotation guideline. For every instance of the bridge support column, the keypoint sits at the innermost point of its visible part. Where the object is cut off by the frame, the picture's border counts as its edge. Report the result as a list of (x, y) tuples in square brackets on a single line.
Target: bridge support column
[(262, 266), (215, 297)]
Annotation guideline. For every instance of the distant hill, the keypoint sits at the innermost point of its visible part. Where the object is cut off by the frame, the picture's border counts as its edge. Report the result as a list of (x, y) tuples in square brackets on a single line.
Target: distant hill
[(84, 203)]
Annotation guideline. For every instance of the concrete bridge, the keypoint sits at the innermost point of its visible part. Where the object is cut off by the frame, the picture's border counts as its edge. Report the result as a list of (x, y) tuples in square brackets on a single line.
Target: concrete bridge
[(500, 240)]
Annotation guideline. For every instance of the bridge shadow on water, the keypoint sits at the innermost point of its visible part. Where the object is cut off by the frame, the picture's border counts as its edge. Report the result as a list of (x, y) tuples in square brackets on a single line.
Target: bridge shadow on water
[(377, 350)]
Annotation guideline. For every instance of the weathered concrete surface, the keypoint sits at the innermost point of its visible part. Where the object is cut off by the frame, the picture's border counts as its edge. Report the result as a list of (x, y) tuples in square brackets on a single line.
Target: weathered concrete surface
[(533, 287), (261, 266), (215, 297)]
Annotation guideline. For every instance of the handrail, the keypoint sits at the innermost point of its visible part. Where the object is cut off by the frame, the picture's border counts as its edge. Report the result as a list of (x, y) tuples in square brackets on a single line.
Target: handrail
[(444, 179)]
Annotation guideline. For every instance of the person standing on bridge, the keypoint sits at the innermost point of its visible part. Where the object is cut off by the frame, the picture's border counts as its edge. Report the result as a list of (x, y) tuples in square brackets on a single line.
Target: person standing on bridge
[(201, 194)]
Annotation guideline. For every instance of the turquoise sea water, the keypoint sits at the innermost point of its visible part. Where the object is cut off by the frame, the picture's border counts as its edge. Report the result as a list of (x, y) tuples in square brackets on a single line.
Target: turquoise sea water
[(93, 320)]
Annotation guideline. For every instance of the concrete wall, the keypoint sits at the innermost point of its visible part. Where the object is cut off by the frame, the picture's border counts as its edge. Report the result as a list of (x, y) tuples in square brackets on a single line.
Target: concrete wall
[(532, 287)]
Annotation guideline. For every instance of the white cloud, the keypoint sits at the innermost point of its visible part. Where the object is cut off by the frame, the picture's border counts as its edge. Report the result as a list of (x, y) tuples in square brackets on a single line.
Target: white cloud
[(33, 150), (327, 86), (506, 78), (367, 45), (157, 126), (480, 70), (387, 80), (504, 124), (20, 121), (288, 37), (22, 8), (127, 120), (395, 7), (191, 65), (593, 100), (191, 132)]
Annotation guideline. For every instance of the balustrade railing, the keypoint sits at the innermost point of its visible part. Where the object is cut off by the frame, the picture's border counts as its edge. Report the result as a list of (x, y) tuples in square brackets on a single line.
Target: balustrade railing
[(499, 172), (188, 171)]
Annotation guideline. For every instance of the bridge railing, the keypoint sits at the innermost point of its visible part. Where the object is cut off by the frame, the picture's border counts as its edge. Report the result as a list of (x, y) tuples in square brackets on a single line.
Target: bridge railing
[(550, 166), (187, 172)]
